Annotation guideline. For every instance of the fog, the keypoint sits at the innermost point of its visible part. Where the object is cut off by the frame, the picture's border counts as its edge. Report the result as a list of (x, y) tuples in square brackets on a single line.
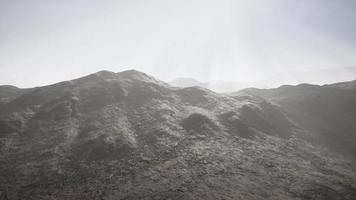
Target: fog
[(46, 41)]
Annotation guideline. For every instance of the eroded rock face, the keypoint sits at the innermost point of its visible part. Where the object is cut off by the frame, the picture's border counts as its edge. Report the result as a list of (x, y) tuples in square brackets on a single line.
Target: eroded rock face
[(129, 136)]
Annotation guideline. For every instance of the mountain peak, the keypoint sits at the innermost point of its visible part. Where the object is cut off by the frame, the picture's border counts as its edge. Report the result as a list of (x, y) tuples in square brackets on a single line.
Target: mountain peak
[(131, 75), (105, 72), (187, 82), (137, 76), (132, 72), (100, 75)]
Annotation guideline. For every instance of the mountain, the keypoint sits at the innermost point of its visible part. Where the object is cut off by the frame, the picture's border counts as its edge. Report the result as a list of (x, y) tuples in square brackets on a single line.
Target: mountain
[(216, 86), (316, 76), (328, 112), (187, 82), (128, 135), (8, 93)]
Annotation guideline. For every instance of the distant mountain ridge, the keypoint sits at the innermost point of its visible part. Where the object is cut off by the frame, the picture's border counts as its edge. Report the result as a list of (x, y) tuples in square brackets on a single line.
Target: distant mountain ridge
[(316, 76), (217, 86), (327, 112)]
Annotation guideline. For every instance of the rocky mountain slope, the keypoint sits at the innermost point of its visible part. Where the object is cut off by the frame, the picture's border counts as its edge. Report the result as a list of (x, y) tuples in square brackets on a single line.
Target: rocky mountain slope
[(327, 113), (129, 136)]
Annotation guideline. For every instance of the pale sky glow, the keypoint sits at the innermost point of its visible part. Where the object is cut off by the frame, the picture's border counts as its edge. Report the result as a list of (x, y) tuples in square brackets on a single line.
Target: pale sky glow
[(46, 41)]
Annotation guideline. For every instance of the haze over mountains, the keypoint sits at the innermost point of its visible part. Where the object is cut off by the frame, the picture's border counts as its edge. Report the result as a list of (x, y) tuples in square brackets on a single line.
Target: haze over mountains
[(217, 86), (318, 77), (128, 135)]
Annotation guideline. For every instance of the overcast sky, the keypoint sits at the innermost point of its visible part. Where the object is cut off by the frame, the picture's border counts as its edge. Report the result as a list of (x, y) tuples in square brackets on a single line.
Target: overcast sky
[(46, 41)]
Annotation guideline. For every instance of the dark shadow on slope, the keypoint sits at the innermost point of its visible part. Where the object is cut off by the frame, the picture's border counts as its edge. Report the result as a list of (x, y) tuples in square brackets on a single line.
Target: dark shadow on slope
[(8, 127), (101, 148), (198, 123), (234, 125), (268, 119)]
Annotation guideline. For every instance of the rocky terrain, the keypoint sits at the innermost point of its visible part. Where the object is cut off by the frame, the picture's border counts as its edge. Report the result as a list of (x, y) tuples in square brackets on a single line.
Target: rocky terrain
[(129, 136), (327, 113)]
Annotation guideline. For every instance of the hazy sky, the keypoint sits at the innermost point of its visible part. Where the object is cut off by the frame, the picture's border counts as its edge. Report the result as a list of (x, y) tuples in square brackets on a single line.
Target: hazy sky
[(45, 41)]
